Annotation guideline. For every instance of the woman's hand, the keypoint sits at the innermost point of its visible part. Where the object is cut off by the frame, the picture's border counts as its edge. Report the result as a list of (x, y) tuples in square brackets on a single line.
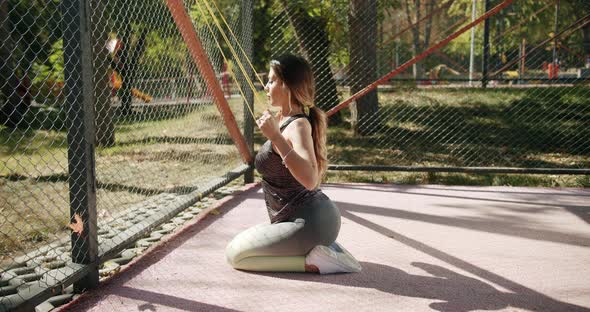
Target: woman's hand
[(269, 125)]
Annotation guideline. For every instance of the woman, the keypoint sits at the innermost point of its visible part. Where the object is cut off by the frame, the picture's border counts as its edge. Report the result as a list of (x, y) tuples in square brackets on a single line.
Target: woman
[(304, 222)]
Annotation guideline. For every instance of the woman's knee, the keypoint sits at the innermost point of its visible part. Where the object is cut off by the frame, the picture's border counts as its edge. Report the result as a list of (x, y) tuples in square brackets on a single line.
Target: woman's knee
[(233, 252), (241, 246), (265, 240)]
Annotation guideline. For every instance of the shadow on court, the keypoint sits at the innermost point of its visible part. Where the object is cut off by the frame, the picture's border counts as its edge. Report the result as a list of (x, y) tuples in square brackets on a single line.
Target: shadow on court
[(422, 248)]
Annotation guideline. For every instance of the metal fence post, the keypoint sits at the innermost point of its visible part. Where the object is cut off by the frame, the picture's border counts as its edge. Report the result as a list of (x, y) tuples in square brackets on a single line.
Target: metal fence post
[(555, 60), (472, 43), (79, 91), (247, 26), (486, 47)]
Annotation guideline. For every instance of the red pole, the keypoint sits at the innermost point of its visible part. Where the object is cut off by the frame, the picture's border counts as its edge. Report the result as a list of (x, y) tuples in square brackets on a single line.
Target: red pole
[(195, 47), (424, 54)]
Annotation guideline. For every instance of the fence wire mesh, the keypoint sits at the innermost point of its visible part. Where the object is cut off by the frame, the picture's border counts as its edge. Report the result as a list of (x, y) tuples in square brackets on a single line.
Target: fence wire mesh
[(34, 189), (159, 138), (170, 137), (533, 113)]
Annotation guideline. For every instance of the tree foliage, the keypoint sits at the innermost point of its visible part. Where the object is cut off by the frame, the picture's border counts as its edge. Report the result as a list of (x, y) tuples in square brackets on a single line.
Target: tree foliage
[(33, 46)]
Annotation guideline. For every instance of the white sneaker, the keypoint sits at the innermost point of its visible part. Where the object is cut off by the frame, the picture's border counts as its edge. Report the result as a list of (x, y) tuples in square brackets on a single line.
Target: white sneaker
[(333, 259)]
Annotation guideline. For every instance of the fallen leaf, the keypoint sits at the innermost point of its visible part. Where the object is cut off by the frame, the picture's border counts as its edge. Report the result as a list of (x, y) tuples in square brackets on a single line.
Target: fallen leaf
[(214, 212), (78, 225)]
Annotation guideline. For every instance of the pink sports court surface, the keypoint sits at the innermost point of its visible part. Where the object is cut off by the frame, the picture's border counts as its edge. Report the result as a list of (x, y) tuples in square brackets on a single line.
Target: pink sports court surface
[(422, 248)]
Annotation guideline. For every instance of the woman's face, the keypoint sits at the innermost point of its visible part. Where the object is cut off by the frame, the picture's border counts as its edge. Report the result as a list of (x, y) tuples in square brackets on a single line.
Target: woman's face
[(276, 91)]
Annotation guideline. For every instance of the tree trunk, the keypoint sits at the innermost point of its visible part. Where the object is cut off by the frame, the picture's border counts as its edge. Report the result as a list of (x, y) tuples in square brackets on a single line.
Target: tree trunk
[(586, 40), (123, 67), (138, 50), (128, 59), (12, 111), (420, 44), (105, 129), (428, 26), (363, 63), (313, 39), (416, 46)]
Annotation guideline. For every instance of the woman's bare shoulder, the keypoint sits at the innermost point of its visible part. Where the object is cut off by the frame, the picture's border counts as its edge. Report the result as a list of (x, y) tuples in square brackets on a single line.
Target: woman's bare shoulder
[(300, 127)]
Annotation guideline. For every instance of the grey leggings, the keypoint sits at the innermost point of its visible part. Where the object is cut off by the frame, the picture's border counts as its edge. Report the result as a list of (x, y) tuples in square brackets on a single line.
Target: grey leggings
[(281, 247)]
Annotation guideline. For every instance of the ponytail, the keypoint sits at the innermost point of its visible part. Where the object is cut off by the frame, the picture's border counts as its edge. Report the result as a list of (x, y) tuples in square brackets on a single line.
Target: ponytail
[(319, 123), (296, 73)]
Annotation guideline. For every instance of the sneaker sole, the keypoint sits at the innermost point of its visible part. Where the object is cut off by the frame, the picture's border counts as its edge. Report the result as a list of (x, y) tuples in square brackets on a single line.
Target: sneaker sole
[(344, 260)]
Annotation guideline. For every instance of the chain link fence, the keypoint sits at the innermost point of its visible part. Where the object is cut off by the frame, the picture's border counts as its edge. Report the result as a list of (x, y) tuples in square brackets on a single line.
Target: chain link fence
[(511, 97), (109, 105), (104, 106)]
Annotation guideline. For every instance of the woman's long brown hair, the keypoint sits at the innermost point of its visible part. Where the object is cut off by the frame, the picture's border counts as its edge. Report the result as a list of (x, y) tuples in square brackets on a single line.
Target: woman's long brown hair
[(296, 73)]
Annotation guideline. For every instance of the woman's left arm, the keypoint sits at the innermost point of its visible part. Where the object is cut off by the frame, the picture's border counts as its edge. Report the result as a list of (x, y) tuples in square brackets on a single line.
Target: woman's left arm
[(295, 147)]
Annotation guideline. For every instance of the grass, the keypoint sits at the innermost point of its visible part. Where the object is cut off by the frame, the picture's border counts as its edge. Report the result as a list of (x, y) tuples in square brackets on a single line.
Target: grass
[(175, 151), (540, 127), (154, 152), (499, 128)]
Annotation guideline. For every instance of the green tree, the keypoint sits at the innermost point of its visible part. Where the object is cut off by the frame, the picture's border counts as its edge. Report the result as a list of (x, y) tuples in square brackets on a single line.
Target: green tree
[(526, 18), (414, 11), (579, 9), (28, 31), (11, 111), (261, 49), (311, 34)]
